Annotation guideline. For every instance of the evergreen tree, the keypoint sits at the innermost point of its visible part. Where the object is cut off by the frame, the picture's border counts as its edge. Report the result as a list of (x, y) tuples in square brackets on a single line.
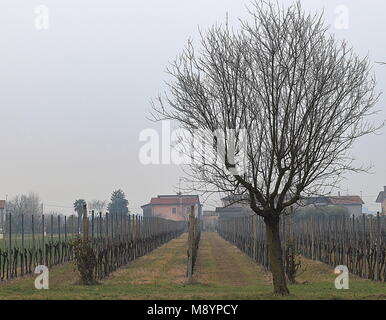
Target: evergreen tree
[(118, 204), (78, 206)]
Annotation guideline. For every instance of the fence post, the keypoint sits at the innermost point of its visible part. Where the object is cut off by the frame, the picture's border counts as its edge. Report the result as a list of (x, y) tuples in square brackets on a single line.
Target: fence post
[(22, 232), (190, 244), (65, 229), (43, 240), (85, 223), (73, 226), (364, 244), (92, 225), (33, 231), (59, 228), (377, 249), (254, 226), (107, 227), (10, 232)]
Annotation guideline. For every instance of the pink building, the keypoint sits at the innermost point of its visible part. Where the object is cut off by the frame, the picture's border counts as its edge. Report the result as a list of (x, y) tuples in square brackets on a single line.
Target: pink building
[(172, 207)]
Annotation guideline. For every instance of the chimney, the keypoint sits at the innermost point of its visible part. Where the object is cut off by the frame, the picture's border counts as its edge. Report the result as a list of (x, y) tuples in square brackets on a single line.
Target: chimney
[(338, 193)]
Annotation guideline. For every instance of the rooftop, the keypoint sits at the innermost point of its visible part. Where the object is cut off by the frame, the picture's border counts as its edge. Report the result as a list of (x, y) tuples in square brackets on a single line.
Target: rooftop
[(345, 200), (174, 199), (381, 196), (335, 200)]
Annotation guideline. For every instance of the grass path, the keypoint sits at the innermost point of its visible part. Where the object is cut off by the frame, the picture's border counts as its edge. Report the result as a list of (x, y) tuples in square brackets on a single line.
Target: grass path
[(222, 264), (222, 272)]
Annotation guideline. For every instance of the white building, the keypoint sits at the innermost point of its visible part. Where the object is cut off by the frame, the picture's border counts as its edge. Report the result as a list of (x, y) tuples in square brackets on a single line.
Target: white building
[(352, 203)]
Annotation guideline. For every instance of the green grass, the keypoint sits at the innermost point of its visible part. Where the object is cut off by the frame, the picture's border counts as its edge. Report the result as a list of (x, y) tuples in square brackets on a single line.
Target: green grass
[(222, 272)]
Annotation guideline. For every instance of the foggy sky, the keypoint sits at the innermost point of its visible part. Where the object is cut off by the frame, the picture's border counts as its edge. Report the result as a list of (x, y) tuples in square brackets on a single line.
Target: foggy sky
[(74, 98)]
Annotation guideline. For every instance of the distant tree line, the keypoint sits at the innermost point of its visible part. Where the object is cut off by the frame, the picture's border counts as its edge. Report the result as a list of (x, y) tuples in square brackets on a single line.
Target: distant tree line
[(320, 212), (118, 205), (23, 207)]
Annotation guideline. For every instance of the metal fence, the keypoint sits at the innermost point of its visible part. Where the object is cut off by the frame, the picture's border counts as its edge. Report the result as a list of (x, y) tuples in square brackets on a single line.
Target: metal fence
[(357, 242), (29, 241)]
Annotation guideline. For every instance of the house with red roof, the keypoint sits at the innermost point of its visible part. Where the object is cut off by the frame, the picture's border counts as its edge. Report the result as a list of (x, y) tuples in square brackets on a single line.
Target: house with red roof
[(382, 200), (172, 207), (352, 203)]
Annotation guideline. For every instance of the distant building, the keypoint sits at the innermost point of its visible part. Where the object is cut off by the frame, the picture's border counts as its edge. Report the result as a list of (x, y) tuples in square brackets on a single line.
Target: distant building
[(318, 201), (234, 206), (172, 207), (352, 203), (233, 212), (382, 200), (238, 206), (209, 220)]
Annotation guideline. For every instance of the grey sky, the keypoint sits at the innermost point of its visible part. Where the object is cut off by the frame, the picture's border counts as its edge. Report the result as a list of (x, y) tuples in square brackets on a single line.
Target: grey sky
[(74, 98)]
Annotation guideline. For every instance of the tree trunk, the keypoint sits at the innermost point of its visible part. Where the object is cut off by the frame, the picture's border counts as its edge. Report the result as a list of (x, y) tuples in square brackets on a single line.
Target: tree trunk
[(275, 256)]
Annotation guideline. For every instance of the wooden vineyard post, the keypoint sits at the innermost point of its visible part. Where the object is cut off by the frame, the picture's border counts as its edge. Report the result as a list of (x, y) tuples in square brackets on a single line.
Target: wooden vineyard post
[(43, 241), (377, 249), (364, 245), (254, 230), (59, 227), (105, 228), (65, 229), (100, 225), (10, 234), (354, 243), (92, 225), (284, 240), (85, 223), (33, 231), (190, 245)]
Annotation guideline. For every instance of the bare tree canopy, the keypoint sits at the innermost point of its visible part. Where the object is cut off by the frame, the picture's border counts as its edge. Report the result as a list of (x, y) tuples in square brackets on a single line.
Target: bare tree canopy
[(97, 205), (302, 97), (283, 92)]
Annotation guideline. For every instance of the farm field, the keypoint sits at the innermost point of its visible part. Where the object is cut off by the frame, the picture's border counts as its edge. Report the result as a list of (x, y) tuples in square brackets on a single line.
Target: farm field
[(17, 240), (222, 272)]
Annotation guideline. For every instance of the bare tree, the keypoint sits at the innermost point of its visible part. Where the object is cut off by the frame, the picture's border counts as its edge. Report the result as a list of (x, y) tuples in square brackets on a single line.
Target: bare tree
[(97, 205), (23, 205), (282, 93)]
